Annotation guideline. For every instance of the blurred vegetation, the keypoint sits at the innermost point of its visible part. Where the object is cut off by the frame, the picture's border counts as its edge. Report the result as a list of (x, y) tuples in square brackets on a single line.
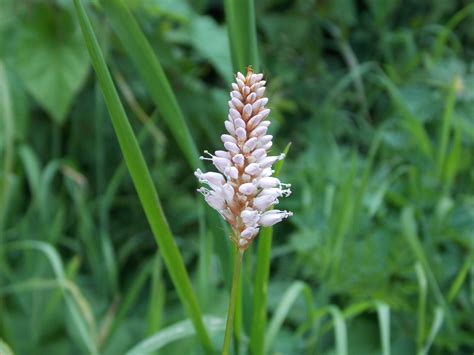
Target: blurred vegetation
[(377, 98)]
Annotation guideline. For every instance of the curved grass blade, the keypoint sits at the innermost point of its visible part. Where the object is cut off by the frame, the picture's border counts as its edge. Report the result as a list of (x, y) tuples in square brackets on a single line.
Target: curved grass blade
[(288, 299), (460, 277), (177, 331), (79, 310), (410, 232), (339, 322), (340, 330), (448, 28), (152, 74), (410, 123), (143, 182), (435, 327)]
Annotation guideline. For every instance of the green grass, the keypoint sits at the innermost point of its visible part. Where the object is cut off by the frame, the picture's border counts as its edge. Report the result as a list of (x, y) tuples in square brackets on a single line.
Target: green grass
[(377, 100)]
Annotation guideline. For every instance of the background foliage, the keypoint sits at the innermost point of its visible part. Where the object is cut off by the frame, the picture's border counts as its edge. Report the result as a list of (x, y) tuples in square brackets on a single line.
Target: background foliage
[(377, 98)]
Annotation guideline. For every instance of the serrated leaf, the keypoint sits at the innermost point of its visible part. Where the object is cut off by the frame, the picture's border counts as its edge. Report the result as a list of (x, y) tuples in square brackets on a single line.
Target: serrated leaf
[(51, 59)]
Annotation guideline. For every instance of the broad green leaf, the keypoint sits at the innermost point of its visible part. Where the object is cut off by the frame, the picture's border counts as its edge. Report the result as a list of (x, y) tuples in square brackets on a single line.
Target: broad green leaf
[(51, 59)]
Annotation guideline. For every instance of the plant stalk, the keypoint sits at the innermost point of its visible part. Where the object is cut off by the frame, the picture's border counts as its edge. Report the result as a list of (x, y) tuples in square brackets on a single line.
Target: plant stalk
[(233, 299)]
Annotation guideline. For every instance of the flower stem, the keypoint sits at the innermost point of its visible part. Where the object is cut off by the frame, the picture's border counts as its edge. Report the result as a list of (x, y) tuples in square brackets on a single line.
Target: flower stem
[(232, 301)]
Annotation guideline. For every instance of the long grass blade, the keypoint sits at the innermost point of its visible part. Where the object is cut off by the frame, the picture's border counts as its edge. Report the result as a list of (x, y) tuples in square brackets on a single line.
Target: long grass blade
[(435, 327), (409, 228), (340, 330), (421, 317), (262, 273), (143, 182), (152, 74), (283, 309), (242, 30), (6, 114), (446, 126), (78, 309), (383, 313), (177, 331)]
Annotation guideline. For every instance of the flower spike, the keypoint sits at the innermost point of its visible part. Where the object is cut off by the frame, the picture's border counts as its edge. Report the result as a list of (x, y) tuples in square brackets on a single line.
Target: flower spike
[(243, 191)]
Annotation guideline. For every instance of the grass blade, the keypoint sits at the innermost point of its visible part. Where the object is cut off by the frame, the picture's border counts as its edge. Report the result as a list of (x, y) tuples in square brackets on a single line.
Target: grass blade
[(6, 112), (179, 330), (409, 122), (282, 310), (421, 317), (152, 74), (79, 310), (446, 126), (435, 327), (460, 277), (340, 330), (242, 30), (409, 228), (143, 182), (262, 272), (383, 313)]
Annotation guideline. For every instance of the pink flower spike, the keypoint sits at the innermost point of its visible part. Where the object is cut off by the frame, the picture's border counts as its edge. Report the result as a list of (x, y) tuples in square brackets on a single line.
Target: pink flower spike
[(245, 189)]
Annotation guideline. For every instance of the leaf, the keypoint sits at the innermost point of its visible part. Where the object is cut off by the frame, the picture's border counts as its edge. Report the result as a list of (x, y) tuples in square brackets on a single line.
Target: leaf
[(51, 59)]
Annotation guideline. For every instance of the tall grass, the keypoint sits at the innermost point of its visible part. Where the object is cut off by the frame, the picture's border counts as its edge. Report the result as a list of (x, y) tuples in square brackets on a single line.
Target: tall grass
[(143, 182)]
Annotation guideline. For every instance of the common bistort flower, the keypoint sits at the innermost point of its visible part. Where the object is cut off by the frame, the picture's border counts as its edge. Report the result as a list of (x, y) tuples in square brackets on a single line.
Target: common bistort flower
[(244, 190)]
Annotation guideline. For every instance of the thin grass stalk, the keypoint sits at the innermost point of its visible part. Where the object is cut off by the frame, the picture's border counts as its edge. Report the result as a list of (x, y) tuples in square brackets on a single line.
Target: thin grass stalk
[(152, 74), (143, 183), (446, 126), (6, 112), (262, 273), (242, 31), (233, 300)]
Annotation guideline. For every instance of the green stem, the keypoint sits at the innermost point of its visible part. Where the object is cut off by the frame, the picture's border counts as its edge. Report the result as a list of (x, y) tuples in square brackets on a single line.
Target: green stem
[(232, 301)]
